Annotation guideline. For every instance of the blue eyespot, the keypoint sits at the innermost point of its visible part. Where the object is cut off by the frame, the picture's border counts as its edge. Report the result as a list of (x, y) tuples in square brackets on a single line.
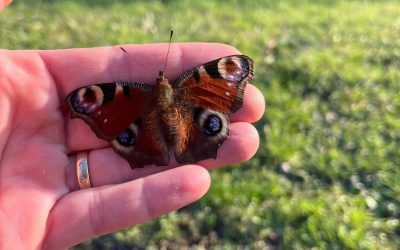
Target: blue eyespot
[(127, 138), (212, 125)]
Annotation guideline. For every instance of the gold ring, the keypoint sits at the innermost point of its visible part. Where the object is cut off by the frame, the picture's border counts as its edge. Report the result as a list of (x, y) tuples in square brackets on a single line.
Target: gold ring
[(82, 170)]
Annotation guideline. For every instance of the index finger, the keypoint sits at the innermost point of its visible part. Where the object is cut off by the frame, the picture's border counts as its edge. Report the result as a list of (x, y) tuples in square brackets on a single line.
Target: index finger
[(73, 68)]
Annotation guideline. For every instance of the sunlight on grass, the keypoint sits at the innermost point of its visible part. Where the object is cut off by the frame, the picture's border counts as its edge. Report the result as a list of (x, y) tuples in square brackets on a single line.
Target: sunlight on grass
[(327, 174)]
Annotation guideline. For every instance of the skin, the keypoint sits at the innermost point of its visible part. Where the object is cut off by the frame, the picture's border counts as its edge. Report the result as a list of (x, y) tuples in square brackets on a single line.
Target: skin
[(41, 206), (4, 4)]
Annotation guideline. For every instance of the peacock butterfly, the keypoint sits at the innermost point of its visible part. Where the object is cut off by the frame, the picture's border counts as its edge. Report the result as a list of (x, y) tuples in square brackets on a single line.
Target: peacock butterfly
[(142, 122)]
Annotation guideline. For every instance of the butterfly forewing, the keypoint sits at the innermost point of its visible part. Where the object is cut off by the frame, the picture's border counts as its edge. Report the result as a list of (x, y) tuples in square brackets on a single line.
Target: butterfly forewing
[(218, 85), (109, 108)]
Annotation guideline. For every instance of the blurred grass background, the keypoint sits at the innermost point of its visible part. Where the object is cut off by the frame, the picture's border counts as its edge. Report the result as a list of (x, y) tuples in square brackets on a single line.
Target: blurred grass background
[(327, 174)]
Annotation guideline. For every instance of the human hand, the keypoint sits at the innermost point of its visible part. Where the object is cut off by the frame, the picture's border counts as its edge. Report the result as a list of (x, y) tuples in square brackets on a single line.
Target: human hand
[(41, 205), (4, 4)]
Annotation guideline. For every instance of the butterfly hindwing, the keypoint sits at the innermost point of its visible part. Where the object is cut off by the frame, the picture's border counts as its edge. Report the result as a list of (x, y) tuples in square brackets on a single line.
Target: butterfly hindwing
[(207, 130), (142, 143)]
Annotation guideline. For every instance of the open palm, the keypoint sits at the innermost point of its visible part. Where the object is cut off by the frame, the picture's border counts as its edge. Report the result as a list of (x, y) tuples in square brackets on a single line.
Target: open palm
[(40, 203)]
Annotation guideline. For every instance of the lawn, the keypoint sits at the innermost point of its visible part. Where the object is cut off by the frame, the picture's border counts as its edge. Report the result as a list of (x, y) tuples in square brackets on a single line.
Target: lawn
[(327, 174)]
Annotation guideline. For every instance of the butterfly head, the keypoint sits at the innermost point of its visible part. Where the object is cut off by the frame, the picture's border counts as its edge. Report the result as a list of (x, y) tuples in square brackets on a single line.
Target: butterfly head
[(164, 90), (161, 75), (162, 80)]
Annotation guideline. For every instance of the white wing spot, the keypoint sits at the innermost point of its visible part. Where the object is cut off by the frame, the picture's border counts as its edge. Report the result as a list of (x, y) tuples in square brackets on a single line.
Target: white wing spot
[(230, 84), (119, 90), (105, 120), (227, 93)]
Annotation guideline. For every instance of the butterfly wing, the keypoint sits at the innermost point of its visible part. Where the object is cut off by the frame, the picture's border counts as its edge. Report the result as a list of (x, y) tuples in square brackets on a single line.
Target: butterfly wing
[(218, 85), (211, 92), (118, 112), (205, 131)]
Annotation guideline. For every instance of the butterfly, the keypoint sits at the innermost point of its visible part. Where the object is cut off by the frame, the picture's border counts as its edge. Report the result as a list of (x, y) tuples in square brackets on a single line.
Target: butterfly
[(190, 116)]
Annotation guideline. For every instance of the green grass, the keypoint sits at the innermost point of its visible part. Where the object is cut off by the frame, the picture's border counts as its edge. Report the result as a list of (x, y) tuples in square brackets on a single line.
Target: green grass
[(327, 174)]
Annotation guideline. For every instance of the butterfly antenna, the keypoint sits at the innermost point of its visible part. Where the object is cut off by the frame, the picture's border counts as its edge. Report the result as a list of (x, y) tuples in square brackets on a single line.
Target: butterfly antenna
[(137, 61), (169, 46)]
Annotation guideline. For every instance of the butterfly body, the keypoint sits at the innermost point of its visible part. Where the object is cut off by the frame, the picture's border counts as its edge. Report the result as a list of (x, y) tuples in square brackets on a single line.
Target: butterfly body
[(188, 117)]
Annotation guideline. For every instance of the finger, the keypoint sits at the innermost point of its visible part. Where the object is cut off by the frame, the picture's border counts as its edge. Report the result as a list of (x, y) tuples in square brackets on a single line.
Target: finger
[(253, 106), (4, 4), (81, 137), (92, 212), (107, 167), (74, 68)]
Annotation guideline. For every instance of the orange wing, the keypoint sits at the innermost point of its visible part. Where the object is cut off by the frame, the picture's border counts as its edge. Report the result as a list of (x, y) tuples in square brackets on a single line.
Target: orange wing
[(218, 85)]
